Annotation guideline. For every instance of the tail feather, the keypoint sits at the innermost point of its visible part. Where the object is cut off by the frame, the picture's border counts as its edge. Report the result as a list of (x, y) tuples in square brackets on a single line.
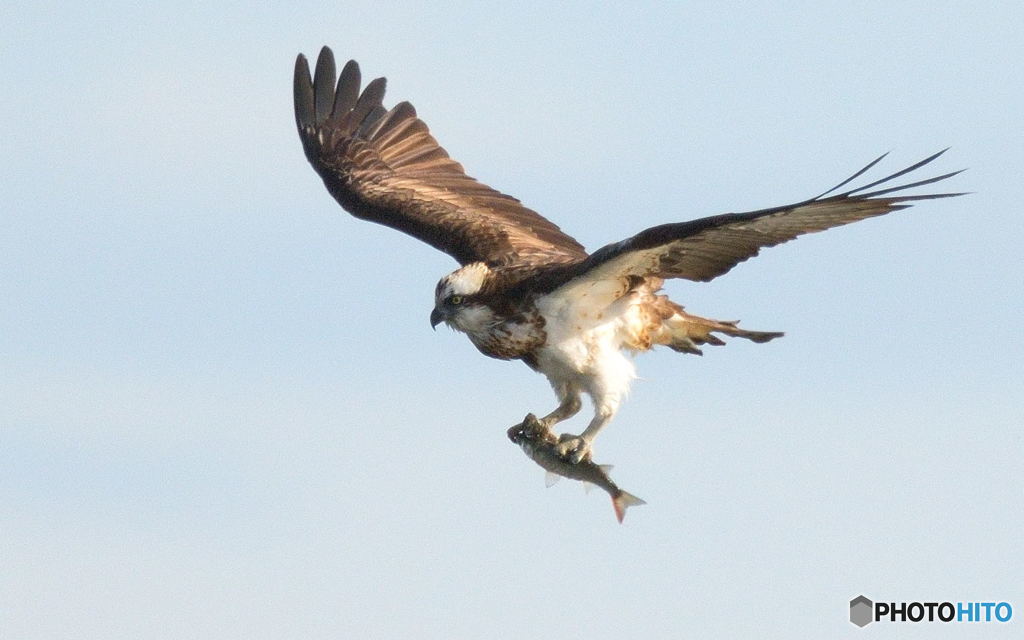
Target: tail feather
[(624, 501), (686, 332)]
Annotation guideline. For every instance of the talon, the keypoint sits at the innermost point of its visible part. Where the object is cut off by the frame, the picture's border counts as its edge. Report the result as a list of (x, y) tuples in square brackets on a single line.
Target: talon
[(575, 449)]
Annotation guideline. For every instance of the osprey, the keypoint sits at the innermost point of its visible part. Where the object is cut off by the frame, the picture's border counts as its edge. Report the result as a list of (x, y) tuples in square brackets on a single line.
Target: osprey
[(525, 289)]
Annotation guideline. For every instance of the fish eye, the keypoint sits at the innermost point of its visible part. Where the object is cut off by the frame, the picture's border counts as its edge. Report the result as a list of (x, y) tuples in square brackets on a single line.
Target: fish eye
[(455, 299)]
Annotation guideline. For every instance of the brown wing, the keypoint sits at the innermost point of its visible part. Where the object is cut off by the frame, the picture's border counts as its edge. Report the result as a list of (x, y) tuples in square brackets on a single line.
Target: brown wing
[(706, 248), (384, 166)]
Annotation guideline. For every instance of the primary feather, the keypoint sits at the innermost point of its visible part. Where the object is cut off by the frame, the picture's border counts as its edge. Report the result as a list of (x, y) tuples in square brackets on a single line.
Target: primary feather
[(526, 289), (384, 166)]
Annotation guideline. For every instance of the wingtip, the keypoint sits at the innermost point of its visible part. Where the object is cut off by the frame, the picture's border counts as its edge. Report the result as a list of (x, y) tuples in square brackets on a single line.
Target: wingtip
[(350, 67), (302, 84), (323, 84), (302, 70)]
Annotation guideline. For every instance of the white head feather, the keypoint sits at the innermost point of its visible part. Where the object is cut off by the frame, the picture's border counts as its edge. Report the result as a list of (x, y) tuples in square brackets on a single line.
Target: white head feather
[(465, 281)]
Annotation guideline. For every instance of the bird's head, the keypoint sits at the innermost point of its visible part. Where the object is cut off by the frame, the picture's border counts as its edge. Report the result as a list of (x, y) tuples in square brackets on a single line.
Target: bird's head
[(457, 299)]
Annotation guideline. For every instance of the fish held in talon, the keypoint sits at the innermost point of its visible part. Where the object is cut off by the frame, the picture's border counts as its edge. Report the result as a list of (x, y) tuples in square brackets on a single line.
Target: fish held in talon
[(542, 447), (527, 290)]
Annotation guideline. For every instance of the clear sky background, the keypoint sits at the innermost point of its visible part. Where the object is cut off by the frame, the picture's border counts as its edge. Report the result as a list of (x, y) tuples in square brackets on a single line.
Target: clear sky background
[(223, 413)]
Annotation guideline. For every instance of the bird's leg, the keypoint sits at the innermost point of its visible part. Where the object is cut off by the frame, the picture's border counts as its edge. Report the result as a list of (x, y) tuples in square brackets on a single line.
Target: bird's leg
[(568, 405), (607, 393), (577, 448)]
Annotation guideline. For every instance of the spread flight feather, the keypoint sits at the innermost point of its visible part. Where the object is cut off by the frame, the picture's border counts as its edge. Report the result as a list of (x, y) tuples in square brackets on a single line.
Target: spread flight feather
[(526, 289)]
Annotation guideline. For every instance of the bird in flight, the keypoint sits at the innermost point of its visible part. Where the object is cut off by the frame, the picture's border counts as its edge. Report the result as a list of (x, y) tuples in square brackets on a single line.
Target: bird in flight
[(525, 289)]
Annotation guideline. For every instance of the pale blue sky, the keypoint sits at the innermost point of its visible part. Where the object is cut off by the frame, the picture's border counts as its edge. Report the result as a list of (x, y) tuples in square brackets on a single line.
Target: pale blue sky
[(223, 413)]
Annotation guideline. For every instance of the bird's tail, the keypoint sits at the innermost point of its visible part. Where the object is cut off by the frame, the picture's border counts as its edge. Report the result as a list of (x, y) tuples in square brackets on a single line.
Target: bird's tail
[(684, 332), (624, 501)]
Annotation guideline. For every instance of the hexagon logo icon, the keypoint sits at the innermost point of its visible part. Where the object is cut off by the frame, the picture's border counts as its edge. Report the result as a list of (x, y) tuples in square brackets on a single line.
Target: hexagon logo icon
[(860, 611)]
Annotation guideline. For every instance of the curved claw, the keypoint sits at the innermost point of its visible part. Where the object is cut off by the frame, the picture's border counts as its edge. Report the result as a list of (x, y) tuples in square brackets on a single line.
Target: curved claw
[(572, 448)]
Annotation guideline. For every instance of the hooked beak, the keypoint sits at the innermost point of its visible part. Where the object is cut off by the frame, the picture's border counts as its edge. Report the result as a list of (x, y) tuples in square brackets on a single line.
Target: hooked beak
[(436, 317)]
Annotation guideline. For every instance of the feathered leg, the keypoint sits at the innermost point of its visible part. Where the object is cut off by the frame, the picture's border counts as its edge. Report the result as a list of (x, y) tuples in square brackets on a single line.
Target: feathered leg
[(568, 405), (607, 386)]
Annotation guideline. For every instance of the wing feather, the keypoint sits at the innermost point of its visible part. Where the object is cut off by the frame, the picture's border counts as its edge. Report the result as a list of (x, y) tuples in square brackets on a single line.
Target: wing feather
[(704, 249), (347, 91), (324, 74), (383, 165)]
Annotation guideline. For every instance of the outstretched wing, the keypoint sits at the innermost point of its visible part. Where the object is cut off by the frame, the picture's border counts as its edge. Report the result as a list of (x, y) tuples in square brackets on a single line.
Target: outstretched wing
[(384, 166), (706, 248)]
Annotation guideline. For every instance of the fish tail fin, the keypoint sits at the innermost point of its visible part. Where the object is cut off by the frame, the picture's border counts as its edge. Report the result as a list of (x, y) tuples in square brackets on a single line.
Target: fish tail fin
[(624, 501)]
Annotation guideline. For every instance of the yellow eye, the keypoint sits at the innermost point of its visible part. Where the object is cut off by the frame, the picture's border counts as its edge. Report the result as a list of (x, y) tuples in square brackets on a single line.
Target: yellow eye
[(456, 299)]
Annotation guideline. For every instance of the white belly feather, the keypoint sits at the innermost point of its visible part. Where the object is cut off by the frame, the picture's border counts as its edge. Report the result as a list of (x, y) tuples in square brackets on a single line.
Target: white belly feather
[(585, 340)]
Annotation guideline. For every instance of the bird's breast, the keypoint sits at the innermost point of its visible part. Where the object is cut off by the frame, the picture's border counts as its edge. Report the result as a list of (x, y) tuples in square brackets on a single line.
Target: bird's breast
[(513, 337)]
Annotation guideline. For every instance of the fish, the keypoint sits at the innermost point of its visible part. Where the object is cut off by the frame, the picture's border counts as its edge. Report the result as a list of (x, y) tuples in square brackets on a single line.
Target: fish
[(540, 444)]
